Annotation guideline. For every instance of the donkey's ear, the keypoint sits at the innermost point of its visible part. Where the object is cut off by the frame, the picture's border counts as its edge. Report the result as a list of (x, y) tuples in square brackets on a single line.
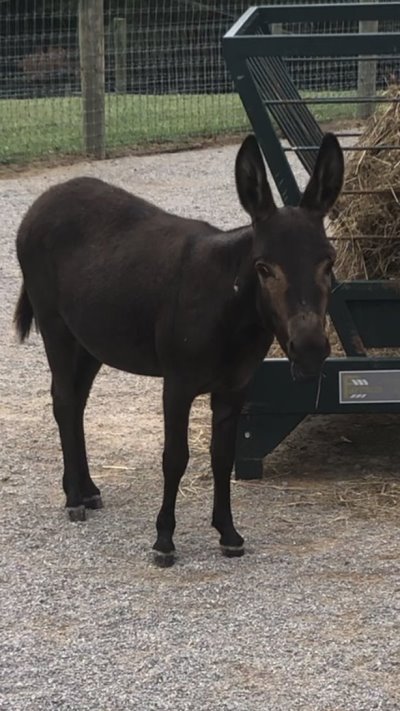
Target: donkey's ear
[(327, 179), (251, 181)]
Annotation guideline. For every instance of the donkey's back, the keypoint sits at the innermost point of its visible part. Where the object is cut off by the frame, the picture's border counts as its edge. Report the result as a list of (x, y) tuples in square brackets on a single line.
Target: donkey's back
[(89, 214), (108, 264)]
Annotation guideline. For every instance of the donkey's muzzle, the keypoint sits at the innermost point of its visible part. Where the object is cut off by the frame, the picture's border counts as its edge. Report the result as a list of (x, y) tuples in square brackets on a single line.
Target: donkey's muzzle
[(308, 347), (299, 375)]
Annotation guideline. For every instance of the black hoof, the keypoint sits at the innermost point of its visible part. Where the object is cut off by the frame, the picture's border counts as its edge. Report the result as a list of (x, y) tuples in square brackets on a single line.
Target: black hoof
[(163, 560), (93, 502), (76, 513), (164, 551), (232, 551)]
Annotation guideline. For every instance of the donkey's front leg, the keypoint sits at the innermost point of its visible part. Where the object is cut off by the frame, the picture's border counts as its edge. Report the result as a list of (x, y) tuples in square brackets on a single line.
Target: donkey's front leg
[(226, 409), (177, 403)]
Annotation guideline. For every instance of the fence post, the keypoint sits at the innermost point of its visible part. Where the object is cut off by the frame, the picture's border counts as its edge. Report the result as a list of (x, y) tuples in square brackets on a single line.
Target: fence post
[(91, 49), (366, 72), (276, 28), (119, 32)]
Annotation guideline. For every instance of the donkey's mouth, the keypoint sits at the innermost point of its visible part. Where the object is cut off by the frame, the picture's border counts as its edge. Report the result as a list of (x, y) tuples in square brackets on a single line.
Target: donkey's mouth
[(301, 374)]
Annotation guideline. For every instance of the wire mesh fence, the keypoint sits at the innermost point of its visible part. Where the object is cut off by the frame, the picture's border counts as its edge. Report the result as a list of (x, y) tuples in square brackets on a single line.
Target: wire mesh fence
[(160, 75)]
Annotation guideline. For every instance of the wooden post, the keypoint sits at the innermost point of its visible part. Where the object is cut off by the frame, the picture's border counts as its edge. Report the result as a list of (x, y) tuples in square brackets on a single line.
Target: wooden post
[(276, 28), (366, 73), (119, 32), (91, 48)]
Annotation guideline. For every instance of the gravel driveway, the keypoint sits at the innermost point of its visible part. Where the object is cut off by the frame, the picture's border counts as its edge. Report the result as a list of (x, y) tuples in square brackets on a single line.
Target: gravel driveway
[(308, 619)]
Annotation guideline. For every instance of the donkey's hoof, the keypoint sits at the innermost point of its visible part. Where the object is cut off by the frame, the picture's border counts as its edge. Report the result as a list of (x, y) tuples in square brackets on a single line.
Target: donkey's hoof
[(76, 513), (164, 552), (93, 502), (232, 551), (164, 560)]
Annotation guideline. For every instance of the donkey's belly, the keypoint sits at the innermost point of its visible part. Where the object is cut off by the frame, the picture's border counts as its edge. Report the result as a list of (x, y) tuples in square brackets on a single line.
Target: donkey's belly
[(122, 342), (139, 359)]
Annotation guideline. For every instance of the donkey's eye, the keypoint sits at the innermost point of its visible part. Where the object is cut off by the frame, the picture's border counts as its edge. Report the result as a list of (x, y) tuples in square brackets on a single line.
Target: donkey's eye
[(265, 270)]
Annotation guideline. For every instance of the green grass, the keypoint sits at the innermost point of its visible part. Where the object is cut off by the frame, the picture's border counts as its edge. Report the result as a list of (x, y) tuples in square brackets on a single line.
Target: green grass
[(40, 128)]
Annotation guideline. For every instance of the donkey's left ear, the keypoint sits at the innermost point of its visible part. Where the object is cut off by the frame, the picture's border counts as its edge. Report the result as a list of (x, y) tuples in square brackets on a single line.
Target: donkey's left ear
[(326, 181)]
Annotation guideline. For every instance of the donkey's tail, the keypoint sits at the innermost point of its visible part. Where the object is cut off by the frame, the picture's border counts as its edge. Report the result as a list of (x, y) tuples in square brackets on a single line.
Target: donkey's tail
[(23, 316)]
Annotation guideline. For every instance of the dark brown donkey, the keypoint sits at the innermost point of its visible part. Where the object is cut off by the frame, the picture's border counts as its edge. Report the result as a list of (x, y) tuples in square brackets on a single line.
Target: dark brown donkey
[(110, 278)]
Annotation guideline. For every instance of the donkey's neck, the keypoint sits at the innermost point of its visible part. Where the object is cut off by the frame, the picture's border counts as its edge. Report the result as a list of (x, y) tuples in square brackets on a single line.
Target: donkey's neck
[(236, 254), (235, 259)]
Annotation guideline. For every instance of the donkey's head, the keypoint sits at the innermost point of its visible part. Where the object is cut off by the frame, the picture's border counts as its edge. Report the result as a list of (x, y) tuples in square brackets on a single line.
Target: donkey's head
[(292, 255)]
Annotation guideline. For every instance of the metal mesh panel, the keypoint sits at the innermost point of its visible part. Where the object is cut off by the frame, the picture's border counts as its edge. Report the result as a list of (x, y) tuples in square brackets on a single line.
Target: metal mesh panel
[(165, 78), (177, 84), (332, 75), (39, 78)]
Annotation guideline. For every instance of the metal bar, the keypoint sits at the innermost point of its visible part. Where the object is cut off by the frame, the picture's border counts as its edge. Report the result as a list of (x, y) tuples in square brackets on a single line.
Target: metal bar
[(327, 12), (308, 124), (273, 391), (294, 126), (332, 45), (364, 58), (375, 147), (333, 100), (256, 437), (269, 142), (267, 75), (369, 290), (343, 322), (243, 23)]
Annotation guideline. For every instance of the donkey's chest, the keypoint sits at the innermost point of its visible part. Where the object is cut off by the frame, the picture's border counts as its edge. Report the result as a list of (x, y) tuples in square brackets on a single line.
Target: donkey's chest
[(239, 365)]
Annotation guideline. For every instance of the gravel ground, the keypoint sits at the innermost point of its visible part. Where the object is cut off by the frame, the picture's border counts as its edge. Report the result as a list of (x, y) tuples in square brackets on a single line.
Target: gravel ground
[(308, 619)]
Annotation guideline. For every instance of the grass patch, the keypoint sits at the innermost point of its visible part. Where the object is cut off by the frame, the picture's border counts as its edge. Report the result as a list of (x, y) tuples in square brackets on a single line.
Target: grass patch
[(35, 128)]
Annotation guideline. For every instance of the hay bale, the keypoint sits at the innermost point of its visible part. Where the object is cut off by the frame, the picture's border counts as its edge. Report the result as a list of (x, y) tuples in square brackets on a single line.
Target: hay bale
[(366, 225)]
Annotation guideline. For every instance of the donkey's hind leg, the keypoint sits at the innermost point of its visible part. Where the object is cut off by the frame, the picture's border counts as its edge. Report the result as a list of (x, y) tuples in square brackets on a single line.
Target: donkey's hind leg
[(73, 371), (86, 369)]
